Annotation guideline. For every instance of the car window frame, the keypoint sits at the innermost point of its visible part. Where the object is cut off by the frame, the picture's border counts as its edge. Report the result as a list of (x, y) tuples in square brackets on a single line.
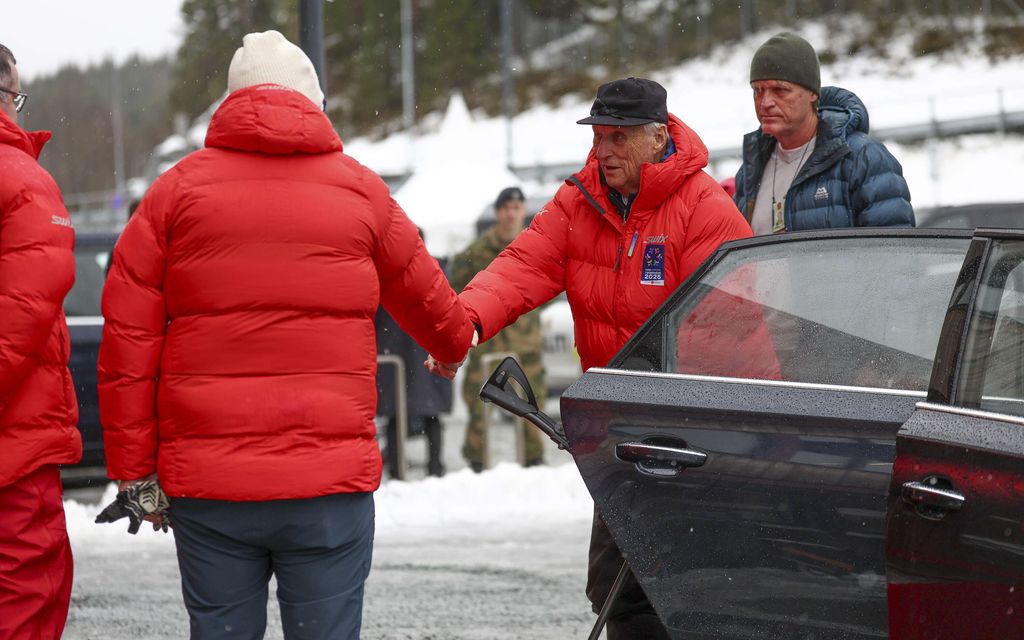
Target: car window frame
[(948, 386)]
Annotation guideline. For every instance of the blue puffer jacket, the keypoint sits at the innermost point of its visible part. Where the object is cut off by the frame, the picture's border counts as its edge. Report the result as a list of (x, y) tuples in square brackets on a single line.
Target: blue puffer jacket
[(850, 180)]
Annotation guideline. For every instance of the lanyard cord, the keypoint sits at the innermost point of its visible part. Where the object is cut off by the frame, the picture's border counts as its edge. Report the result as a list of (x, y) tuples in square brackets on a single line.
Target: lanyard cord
[(778, 158)]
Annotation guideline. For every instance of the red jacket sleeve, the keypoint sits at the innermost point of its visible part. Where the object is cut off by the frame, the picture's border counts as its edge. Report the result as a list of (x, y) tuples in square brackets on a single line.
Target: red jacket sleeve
[(135, 322), (413, 288), (528, 273), (37, 269)]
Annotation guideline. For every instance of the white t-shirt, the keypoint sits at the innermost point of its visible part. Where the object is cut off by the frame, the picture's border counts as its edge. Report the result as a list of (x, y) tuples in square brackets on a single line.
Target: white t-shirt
[(779, 172)]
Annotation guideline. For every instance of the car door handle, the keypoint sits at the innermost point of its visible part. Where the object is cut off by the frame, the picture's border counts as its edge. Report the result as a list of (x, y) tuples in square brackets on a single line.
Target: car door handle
[(920, 494), (641, 452)]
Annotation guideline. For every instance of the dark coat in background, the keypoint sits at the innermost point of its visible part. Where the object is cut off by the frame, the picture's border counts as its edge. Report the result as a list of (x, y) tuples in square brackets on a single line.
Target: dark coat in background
[(850, 180)]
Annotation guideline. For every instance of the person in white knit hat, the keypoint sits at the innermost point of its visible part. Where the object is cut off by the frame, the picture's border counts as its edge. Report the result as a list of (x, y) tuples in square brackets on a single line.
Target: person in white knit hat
[(268, 58), (242, 294)]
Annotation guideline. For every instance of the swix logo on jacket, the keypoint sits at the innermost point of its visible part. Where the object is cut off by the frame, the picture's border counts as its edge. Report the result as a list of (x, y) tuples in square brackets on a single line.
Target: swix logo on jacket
[(581, 245)]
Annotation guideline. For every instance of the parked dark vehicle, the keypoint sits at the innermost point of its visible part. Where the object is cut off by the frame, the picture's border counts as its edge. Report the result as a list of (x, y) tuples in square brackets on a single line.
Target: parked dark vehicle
[(1006, 215), (820, 435), (85, 326)]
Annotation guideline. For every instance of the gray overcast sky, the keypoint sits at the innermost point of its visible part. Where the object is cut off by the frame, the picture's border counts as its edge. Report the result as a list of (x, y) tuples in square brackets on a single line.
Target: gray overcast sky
[(47, 34)]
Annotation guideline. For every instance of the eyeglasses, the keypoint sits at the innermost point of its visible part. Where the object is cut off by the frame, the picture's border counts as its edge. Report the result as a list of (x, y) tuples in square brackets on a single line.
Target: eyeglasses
[(19, 98)]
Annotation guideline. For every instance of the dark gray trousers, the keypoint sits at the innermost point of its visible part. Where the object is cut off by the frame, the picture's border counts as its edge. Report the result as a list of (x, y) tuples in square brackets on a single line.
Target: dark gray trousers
[(318, 548)]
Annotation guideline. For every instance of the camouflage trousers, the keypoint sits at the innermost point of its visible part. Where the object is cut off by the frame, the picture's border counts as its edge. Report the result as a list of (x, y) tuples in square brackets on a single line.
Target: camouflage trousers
[(476, 433)]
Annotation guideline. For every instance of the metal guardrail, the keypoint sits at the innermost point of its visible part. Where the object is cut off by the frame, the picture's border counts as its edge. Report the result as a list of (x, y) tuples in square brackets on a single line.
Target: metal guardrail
[(401, 411), (487, 362), (999, 122), (105, 210)]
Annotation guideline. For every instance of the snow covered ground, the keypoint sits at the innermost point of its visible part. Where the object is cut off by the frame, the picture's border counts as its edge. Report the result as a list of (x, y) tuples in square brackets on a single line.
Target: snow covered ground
[(499, 555)]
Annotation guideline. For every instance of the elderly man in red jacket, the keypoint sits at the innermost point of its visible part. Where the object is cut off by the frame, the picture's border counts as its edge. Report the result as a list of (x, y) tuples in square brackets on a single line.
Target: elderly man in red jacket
[(618, 238), (238, 359), (38, 410)]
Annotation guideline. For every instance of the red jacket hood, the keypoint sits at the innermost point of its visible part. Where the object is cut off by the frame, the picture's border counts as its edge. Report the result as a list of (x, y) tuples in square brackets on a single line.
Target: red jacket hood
[(273, 119), (657, 181), (31, 142)]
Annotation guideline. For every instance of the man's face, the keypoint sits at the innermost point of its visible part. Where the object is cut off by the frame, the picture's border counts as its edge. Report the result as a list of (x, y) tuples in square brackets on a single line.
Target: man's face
[(621, 151), (510, 216), (7, 104), (783, 108)]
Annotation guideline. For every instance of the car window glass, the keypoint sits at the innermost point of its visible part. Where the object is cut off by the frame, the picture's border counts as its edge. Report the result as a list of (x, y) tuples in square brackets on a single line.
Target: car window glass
[(847, 311), (992, 373), (90, 273)]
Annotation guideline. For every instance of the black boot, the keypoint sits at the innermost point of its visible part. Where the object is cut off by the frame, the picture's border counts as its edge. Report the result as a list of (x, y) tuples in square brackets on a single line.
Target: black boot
[(434, 430), (390, 453)]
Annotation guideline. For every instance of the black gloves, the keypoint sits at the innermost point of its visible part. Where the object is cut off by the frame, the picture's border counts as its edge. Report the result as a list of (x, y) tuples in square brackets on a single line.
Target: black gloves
[(136, 502)]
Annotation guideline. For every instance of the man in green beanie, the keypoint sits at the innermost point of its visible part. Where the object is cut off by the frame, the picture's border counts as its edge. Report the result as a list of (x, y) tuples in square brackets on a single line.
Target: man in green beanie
[(811, 164)]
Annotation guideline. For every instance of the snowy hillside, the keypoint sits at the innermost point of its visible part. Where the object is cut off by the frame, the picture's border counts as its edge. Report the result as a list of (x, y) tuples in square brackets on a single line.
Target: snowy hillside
[(460, 158)]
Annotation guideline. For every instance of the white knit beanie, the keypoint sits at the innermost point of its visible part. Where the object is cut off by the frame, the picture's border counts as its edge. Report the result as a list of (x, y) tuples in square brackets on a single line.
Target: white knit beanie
[(268, 57)]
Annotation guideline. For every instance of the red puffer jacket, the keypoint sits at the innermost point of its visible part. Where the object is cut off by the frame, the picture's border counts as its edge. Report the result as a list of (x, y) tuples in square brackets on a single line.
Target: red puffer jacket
[(614, 273), (239, 357), (38, 409)]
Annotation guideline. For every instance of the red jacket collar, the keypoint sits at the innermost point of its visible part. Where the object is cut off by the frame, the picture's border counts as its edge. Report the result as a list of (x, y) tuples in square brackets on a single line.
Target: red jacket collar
[(273, 119), (31, 142), (657, 181)]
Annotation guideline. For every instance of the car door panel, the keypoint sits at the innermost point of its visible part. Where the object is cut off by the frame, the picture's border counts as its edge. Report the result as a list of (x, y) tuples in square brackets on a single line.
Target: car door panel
[(955, 528), (957, 572), (778, 532)]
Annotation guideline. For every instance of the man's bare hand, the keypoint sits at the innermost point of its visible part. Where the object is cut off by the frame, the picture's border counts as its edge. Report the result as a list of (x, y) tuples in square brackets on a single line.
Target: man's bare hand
[(447, 370)]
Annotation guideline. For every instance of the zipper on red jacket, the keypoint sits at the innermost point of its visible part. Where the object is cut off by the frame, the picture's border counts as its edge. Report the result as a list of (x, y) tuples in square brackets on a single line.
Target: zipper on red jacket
[(629, 253)]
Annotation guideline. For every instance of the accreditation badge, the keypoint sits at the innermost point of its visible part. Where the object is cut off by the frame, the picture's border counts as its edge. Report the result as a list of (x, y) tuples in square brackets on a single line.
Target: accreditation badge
[(778, 216), (653, 271)]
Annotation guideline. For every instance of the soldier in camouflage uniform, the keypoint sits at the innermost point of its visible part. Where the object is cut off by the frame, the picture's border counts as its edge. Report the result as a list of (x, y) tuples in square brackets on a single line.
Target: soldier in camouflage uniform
[(521, 338)]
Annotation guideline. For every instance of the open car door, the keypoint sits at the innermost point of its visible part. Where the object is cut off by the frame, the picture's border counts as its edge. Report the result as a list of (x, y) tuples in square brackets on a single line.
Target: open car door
[(955, 533), (740, 446)]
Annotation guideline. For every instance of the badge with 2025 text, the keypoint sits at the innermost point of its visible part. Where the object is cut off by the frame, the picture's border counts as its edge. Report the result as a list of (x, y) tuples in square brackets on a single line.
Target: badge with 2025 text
[(653, 271)]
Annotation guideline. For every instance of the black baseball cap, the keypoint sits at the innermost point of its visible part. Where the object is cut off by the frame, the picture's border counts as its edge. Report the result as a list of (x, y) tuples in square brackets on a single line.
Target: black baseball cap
[(628, 102), (508, 193)]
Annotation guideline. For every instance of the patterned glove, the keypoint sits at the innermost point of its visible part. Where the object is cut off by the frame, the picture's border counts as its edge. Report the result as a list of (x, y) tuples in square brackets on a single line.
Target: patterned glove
[(136, 502)]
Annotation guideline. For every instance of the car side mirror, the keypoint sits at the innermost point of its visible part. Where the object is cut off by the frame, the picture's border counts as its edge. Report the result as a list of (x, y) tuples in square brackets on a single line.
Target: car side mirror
[(499, 389)]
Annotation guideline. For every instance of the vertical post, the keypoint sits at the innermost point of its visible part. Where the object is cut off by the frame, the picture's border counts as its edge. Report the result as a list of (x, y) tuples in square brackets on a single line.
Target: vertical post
[(311, 36), (120, 205), (1002, 112), (508, 88), (704, 9), (401, 411), (408, 78), (748, 21), (791, 10)]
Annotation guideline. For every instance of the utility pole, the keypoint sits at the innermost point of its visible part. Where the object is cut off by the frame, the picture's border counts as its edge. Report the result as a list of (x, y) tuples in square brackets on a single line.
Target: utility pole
[(120, 202), (748, 17), (408, 81), (508, 87), (311, 36)]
